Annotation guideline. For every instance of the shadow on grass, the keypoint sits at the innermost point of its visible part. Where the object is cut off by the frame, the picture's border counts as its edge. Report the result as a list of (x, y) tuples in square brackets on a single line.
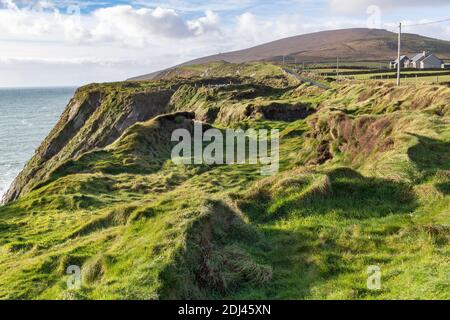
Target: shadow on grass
[(214, 262), (253, 91), (348, 194), (430, 154), (301, 260), (304, 256), (444, 187)]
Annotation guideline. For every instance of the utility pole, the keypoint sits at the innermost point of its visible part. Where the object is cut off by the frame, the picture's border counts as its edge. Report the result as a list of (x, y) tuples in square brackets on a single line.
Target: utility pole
[(337, 69), (399, 52)]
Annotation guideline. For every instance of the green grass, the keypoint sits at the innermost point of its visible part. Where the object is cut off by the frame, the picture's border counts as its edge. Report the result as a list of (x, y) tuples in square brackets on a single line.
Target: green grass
[(406, 76), (321, 243), (376, 74), (363, 181)]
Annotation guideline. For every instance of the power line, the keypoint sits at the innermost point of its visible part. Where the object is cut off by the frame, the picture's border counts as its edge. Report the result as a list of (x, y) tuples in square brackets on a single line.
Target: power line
[(419, 24), (400, 26), (425, 23)]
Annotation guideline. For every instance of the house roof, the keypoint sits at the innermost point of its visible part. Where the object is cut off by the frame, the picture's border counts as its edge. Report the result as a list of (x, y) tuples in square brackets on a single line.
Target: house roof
[(401, 59), (431, 56), (418, 57)]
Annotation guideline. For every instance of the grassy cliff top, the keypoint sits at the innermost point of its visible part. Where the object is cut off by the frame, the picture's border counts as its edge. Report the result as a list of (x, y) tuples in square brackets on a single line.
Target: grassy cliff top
[(364, 180)]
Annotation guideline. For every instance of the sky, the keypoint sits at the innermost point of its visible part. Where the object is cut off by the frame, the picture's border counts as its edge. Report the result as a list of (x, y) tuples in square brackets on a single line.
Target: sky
[(72, 43)]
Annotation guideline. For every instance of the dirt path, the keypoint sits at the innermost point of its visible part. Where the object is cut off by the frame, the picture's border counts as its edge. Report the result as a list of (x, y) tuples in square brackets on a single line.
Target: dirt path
[(304, 79)]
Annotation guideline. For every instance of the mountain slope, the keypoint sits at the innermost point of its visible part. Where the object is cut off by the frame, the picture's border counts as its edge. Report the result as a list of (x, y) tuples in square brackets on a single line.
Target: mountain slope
[(348, 44)]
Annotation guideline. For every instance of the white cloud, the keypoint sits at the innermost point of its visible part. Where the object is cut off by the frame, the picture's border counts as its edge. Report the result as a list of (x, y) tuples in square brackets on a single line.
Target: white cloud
[(69, 61), (351, 6), (20, 22), (253, 29), (50, 45), (196, 6), (121, 24), (8, 4), (203, 25), (250, 28), (138, 27)]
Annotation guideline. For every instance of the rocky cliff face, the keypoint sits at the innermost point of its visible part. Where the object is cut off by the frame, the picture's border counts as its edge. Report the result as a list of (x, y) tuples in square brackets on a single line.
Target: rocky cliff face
[(94, 118)]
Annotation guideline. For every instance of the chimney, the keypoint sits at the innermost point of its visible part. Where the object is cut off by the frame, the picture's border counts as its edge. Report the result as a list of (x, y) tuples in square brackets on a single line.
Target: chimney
[(424, 53)]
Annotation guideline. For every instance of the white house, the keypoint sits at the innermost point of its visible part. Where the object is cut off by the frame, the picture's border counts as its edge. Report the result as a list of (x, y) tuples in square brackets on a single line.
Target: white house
[(404, 62), (430, 62), (415, 60), (423, 60)]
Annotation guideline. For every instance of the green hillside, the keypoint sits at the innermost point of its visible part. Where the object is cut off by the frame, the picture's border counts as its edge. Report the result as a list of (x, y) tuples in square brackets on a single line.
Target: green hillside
[(354, 47), (364, 180)]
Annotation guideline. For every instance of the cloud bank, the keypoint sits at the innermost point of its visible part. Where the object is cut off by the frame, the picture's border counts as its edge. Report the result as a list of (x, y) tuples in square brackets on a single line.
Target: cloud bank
[(45, 43), (121, 24), (351, 6)]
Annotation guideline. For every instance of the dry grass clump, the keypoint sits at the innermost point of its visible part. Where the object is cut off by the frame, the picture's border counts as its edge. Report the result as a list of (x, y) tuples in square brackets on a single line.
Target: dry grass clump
[(230, 267), (93, 269), (319, 188)]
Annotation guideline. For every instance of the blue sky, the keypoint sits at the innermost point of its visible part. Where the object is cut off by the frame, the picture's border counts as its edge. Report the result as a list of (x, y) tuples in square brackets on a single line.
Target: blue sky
[(68, 42)]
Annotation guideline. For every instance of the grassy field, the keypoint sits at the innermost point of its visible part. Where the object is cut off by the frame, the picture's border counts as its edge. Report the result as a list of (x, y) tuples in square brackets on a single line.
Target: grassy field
[(427, 76), (407, 76), (365, 71), (430, 80), (364, 181)]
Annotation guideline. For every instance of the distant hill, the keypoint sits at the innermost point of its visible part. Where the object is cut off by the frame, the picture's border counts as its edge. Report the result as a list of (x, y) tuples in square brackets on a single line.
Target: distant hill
[(348, 44)]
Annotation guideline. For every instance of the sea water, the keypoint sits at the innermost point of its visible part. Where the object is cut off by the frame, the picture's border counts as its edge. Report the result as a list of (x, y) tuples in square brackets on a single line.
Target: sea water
[(26, 117)]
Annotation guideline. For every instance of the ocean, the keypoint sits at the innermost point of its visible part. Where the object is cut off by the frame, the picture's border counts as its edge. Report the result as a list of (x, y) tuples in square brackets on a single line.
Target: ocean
[(26, 117)]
